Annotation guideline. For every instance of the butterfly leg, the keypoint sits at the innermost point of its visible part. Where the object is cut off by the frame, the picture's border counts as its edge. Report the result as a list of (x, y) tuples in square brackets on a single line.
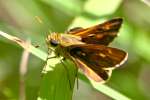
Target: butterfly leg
[(67, 70), (48, 52), (44, 68), (77, 80), (76, 74)]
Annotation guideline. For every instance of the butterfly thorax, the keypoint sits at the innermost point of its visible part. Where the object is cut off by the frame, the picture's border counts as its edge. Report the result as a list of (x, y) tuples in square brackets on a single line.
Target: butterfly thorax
[(64, 40), (59, 41)]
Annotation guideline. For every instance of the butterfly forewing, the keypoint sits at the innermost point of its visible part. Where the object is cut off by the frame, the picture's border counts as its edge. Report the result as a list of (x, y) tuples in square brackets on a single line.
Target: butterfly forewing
[(100, 34), (98, 59)]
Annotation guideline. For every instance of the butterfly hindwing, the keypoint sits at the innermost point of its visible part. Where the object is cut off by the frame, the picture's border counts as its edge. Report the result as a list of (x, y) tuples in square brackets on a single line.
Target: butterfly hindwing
[(98, 59), (101, 76)]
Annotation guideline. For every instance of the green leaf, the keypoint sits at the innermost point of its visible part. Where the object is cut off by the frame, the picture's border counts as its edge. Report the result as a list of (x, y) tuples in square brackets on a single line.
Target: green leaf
[(142, 46), (147, 2), (58, 83), (102, 7), (71, 7), (82, 21), (108, 91)]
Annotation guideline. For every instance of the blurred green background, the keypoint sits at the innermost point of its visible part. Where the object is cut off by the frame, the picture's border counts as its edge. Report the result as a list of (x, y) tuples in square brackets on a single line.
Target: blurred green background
[(17, 17)]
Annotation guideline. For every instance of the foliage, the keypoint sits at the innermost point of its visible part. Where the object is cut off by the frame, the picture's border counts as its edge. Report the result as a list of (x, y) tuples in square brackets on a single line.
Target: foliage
[(17, 18)]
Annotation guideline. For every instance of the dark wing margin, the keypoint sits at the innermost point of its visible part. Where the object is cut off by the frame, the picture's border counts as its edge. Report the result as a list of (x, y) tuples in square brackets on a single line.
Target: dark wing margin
[(97, 61), (102, 76), (99, 34)]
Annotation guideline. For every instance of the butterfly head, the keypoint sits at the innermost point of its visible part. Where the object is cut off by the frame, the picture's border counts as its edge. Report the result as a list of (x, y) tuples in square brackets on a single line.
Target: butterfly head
[(53, 39)]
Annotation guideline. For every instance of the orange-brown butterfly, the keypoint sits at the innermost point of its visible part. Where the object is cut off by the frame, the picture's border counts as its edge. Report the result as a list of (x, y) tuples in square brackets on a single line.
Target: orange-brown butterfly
[(88, 48)]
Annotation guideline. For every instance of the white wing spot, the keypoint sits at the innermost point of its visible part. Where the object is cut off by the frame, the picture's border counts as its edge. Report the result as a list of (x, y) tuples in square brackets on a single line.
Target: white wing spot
[(109, 51), (102, 55)]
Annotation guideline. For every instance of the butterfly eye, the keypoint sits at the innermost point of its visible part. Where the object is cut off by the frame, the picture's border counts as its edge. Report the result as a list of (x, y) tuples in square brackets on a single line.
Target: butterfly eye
[(54, 43)]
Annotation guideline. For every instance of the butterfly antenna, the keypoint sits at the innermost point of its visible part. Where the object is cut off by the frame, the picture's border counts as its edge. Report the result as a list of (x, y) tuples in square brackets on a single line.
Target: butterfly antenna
[(41, 22), (39, 19)]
